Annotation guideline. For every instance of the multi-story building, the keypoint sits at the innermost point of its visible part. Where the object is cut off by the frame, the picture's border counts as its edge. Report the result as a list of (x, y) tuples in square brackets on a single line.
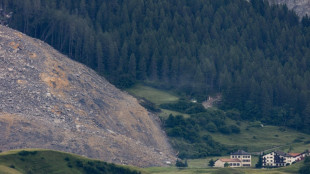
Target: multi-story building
[(280, 159), (237, 159), (243, 156)]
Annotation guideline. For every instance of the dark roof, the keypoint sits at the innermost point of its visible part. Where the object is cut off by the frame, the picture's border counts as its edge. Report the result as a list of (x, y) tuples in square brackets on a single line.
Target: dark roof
[(240, 152), (283, 154)]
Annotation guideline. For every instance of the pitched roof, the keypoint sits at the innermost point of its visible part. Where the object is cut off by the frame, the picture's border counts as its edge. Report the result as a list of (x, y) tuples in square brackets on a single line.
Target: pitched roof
[(283, 154), (294, 154), (240, 152), (229, 160)]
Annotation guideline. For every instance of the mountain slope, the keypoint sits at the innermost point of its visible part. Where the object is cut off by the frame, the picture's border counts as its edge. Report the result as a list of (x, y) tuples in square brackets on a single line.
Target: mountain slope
[(301, 7), (50, 101)]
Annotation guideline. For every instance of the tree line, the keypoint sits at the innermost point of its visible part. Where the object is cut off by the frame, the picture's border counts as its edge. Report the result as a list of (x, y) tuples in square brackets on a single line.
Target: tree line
[(255, 54)]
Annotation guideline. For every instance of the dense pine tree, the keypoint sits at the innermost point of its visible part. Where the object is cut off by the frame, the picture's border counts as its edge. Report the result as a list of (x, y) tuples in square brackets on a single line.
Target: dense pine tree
[(256, 55)]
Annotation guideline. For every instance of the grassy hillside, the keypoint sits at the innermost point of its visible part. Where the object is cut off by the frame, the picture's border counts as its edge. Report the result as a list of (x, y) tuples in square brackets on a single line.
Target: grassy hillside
[(154, 95), (253, 136), (46, 161), (258, 138), (36, 161)]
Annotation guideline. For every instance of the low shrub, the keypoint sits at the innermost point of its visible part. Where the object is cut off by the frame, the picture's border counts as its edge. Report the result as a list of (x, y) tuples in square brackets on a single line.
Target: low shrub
[(297, 140), (307, 142), (79, 163), (211, 127), (12, 166), (26, 153), (149, 105), (225, 130), (69, 165), (180, 163), (235, 129)]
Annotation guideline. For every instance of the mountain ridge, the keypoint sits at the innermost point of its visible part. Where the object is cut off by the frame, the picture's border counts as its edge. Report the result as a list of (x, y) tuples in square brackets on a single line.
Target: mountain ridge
[(49, 101)]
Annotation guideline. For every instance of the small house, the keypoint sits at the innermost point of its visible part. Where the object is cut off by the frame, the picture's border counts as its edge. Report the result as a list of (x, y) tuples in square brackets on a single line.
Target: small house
[(230, 162)]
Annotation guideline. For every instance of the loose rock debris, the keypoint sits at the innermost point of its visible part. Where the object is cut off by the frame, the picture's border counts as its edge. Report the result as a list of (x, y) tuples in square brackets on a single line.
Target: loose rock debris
[(49, 101)]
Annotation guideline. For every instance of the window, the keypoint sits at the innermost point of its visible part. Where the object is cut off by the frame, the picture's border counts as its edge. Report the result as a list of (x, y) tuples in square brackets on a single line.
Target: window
[(234, 164), (238, 156), (238, 164), (233, 156)]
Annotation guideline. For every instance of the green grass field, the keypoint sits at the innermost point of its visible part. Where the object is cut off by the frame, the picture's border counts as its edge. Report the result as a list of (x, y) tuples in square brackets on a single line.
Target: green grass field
[(199, 166), (172, 170), (157, 97), (38, 161), (267, 137), (47, 161), (153, 95)]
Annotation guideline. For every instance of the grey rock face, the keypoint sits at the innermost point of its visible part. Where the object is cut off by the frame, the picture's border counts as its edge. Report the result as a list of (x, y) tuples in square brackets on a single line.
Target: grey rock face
[(301, 7), (49, 101)]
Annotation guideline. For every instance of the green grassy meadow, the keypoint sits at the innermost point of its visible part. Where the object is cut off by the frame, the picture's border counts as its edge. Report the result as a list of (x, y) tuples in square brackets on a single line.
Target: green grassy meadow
[(200, 166), (257, 139), (156, 96), (38, 161), (173, 170)]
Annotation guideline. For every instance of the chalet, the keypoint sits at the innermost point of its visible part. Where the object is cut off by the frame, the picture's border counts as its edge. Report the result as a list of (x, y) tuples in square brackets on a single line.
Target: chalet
[(237, 159)]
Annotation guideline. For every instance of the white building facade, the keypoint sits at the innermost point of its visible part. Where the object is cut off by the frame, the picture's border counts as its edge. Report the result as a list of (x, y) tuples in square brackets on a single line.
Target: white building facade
[(243, 156), (230, 162), (280, 159), (237, 159)]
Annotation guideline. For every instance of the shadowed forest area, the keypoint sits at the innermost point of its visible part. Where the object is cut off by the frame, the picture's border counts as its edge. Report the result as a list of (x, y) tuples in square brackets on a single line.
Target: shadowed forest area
[(256, 55)]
